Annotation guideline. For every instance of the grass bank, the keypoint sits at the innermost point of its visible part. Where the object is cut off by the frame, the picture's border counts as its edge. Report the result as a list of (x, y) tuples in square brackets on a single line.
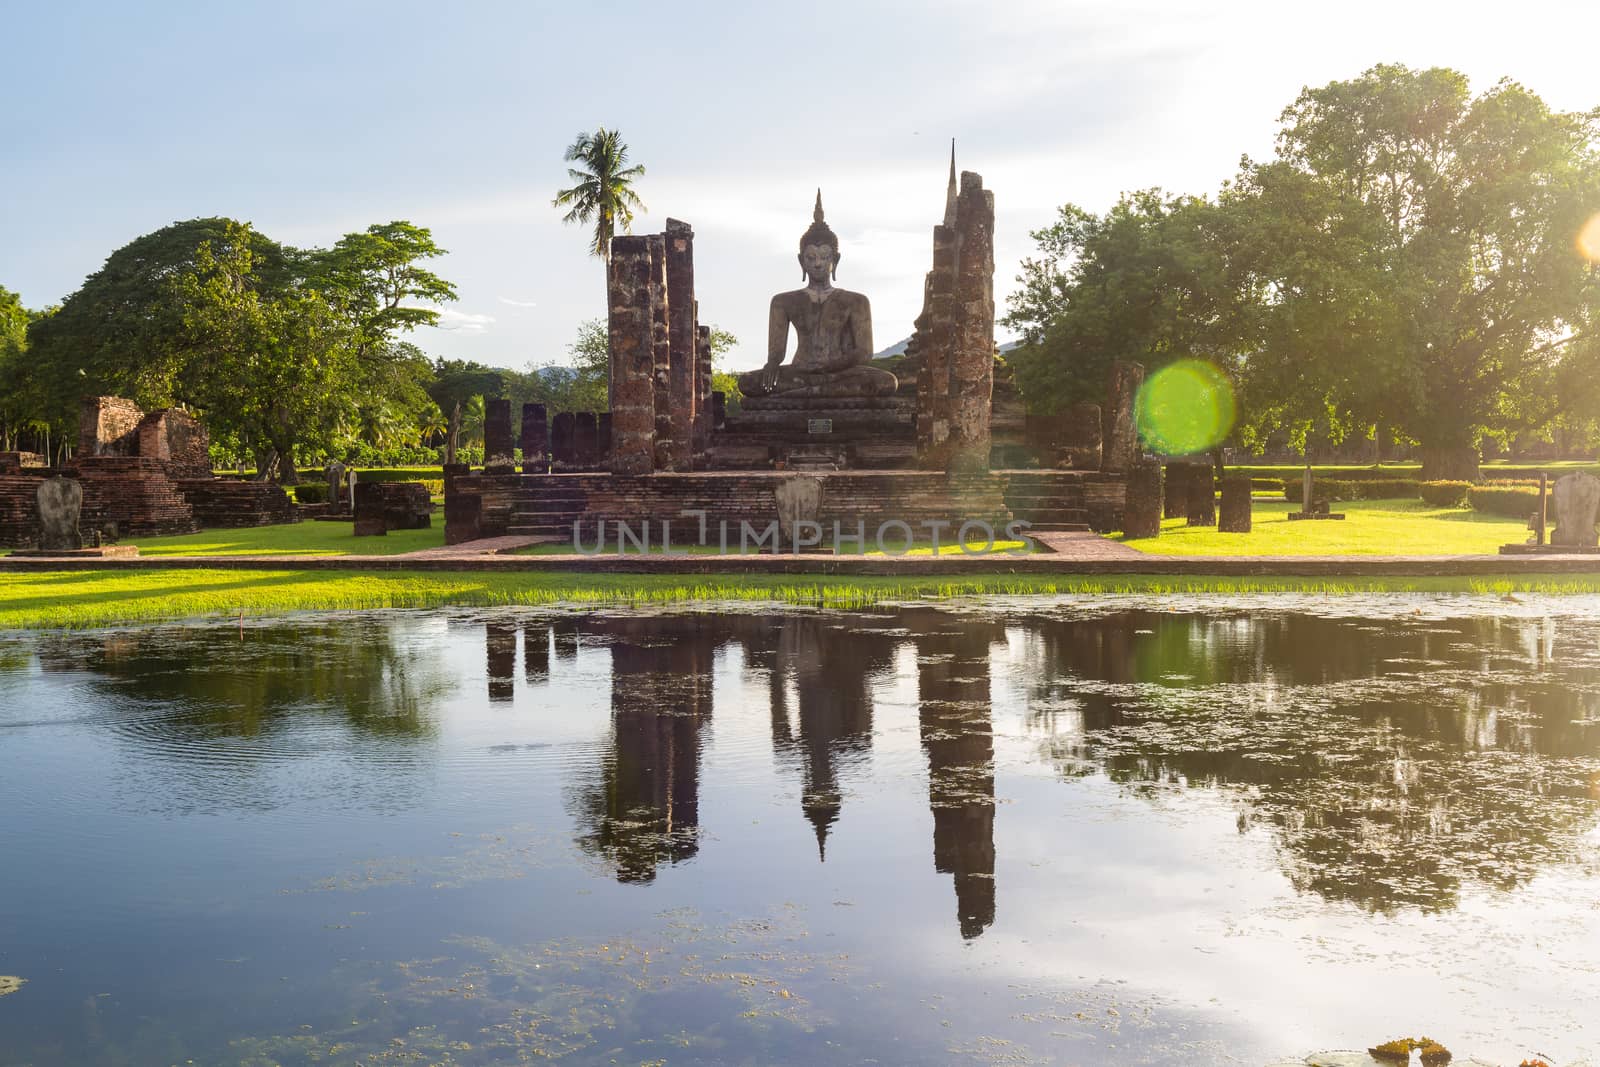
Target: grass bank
[(1373, 528), (292, 539), (100, 598)]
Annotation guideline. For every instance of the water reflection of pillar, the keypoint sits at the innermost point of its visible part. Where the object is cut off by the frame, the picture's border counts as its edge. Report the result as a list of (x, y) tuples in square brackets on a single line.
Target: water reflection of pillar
[(648, 807), (536, 652), (957, 734), (566, 639), (501, 641)]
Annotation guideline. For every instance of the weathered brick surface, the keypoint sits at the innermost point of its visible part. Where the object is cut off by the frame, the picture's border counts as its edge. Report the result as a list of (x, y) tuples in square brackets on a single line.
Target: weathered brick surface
[(1120, 442), (499, 443), (972, 357), (108, 426), (682, 341), (178, 440), (535, 440), (1142, 513), (636, 286), (132, 495), (1236, 503), (223, 502)]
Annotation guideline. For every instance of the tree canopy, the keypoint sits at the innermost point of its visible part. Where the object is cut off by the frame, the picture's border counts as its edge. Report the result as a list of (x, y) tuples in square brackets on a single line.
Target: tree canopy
[(276, 348), (1407, 258), (602, 189)]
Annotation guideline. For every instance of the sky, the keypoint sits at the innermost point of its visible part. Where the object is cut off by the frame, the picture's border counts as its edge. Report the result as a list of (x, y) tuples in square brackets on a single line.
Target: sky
[(312, 120)]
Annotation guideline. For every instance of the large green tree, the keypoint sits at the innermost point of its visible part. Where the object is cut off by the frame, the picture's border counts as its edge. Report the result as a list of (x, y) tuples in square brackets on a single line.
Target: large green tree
[(1150, 280), (276, 348), (1415, 246), (602, 189)]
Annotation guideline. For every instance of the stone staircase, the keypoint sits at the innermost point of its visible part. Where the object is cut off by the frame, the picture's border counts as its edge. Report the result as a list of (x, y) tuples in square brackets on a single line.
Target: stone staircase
[(547, 506), (1050, 501)]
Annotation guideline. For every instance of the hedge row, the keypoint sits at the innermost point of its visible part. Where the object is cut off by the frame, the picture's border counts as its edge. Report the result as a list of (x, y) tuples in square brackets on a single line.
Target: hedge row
[(1512, 501), (317, 492), (1366, 489)]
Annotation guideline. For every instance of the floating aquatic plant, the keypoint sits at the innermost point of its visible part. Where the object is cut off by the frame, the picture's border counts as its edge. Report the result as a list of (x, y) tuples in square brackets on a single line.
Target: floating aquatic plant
[(1400, 1049), (10, 983)]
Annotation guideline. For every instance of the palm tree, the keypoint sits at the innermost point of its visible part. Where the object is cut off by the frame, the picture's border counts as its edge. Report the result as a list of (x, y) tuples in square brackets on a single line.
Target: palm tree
[(604, 190)]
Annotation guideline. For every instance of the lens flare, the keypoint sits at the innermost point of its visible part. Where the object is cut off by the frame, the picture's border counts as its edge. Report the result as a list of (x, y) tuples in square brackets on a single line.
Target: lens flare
[(1589, 240), (1185, 407)]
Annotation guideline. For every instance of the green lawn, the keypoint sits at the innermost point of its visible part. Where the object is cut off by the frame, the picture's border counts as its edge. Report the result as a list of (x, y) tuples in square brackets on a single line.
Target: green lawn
[(1374, 528), (292, 539), (101, 598)]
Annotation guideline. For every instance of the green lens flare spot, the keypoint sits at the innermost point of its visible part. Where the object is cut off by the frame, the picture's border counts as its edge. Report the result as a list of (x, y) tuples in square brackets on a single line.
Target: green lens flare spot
[(1185, 407)]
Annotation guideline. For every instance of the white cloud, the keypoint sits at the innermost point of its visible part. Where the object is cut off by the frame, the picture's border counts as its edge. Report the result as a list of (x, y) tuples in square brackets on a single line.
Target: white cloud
[(463, 322), (518, 303)]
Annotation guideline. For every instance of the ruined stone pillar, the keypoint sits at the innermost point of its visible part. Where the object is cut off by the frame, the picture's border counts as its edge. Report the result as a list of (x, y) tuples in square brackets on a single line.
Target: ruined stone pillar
[(1235, 514), (499, 447), (972, 360), (635, 289), (661, 352), (1141, 510), (702, 388), (719, 410), (1121, 439), (586, 441), (535, 440), (683, 340), (1175, 504), (1202, 496), (563, 432)]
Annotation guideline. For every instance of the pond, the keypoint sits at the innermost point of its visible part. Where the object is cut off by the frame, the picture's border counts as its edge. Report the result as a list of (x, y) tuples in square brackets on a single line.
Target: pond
[(1066, 830)]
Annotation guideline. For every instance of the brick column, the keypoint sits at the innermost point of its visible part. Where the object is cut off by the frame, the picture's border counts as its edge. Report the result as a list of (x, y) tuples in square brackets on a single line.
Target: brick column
[(661, 352), (702, 388), (1121, 439), (682, 340), (635, 289), (1236, 502), (972, 361), (586, 441), (563, 431), (535, 440), (1141, 512), (499, 446), (1202, 487)]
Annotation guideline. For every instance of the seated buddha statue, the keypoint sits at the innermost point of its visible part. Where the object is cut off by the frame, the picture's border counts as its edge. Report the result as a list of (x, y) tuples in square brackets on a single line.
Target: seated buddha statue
[(833, 327)]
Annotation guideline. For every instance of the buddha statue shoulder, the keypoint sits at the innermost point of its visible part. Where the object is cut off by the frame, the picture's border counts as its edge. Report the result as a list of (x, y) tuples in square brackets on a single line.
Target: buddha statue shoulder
[(833, 330)]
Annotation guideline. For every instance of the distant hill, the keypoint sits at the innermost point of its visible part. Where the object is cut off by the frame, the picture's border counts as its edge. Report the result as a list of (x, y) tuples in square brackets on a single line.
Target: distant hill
[(899, 348)]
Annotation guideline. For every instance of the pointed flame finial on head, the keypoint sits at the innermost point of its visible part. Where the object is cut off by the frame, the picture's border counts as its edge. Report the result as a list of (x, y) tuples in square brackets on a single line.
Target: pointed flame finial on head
[(950, 193), (816, 213)]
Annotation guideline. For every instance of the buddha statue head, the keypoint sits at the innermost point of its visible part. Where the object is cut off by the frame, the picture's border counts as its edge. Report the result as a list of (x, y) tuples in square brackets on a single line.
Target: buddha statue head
[(819, 249)]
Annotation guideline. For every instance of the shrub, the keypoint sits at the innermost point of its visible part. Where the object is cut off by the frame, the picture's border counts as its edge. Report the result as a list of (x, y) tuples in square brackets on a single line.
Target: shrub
[(310, 493), (1364, 489), (1445, 494), (1512, 502), (1267, 485)]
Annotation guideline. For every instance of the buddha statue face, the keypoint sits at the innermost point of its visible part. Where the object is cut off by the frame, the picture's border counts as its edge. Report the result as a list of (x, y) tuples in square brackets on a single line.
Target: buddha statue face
[(818, 261)]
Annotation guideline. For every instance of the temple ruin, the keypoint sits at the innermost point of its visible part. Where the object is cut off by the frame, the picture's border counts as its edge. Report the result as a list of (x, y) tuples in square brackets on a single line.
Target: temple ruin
[(936, 434)]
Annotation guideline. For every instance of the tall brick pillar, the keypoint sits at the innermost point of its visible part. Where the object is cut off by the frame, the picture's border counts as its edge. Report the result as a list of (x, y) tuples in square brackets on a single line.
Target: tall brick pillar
[(499, 446), (682, 334), (661, 351), (1120, 443), (972, 362), (535, 440), (702, 389), (636, 286)]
